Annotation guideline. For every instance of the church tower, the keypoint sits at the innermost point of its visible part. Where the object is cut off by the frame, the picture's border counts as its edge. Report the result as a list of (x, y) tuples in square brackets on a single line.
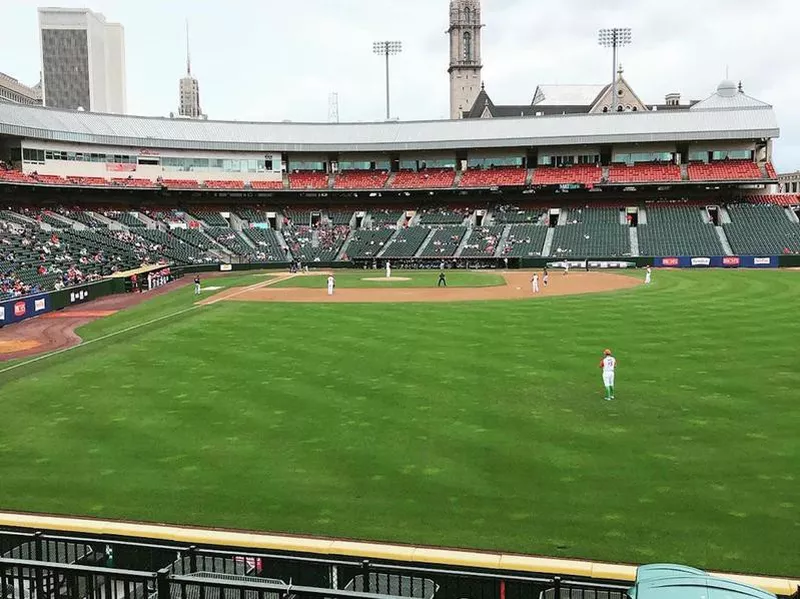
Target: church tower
[(465, 55)]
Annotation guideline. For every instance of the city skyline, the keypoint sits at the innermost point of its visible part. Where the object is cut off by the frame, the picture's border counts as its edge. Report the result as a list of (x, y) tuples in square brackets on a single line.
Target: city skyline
[(271, 62)]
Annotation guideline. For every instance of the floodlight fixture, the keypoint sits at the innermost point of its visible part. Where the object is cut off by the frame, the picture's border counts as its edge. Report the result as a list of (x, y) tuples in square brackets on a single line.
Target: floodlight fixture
[(387, 49), (614, 38)]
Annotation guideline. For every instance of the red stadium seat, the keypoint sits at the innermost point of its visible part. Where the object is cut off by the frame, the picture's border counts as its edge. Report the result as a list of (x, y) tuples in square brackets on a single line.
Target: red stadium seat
[(181, 183), (644, 173), (15, 176), (494, 177), (266, 184), (88, 181), (51, 179), (584, 174), (132, 182), (428, 178), (360, 180), (770, 171), (224, 184), (308, 180), (778, 199), (726, 170)]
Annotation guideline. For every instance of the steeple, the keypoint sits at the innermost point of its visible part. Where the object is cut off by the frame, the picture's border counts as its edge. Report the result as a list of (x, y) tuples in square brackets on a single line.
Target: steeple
[(189, 106), (188, 53), (465, 55)]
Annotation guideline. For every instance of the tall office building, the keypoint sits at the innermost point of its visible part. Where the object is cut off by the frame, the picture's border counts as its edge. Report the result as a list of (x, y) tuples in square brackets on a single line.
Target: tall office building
[(189, 106), (83, 60)]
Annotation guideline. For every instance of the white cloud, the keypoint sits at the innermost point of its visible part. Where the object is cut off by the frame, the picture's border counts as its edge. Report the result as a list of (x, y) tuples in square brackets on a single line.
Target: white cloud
[(274, 60)]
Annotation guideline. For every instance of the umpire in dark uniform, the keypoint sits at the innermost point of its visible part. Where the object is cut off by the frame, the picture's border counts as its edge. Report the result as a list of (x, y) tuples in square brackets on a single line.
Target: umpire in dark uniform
[(442, 280)]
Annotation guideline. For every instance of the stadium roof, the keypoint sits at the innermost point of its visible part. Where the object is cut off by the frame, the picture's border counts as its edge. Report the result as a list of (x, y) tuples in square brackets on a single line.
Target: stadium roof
[(33, 122)]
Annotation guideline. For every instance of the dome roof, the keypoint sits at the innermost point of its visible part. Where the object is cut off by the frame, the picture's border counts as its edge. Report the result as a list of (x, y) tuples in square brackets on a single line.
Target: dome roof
[(726, 88)]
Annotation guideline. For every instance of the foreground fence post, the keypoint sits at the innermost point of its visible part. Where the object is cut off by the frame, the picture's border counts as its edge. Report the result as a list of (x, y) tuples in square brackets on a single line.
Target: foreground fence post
[(556, 587), (162, 583), (365, 574)]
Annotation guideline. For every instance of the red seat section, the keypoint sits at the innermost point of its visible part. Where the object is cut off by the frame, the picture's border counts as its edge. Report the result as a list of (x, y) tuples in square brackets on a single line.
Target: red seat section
[(727, 170), (266, 184), (15, 176), (432, 177), (132, 182), (308, 180), (224, 184), (88, 181), (51, 179), (493, 177), (782, 199), (643, 173), (360, 180), (584, 174), (181, 183), (771, 173)]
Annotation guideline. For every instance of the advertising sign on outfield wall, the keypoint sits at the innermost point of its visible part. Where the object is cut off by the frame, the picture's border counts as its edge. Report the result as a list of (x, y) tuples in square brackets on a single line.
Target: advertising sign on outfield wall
[(17, 309), (226, 267), (731, 261), (718, 261), (701, 261)]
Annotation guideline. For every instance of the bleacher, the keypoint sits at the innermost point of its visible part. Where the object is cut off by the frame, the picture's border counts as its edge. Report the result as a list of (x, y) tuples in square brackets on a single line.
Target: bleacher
[(725, 170), (583, 174), (644, 173), (223, 184), (210, 218), (321, 244), (483, 242), (525, 241), (383, 218), (267, 184), (83, 217), (308, 180), (433, 178), (340, 217), (251, 215), (88, 181), (360, 179), (133, 182), (407, 242), (444, 243), (493, 177), (757, 229), (174, 248), (677, 230), (194, 237), (268, 246), (367, 243), (180, 183), (591, 232), (230, 239), (513, 215), (443, 216)]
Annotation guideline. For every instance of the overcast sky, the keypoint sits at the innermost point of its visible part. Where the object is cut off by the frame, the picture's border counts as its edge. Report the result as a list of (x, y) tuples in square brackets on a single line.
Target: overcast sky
[(276, 60)]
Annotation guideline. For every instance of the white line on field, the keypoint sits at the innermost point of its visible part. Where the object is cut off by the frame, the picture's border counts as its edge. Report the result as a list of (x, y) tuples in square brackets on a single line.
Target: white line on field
[(143, 324)]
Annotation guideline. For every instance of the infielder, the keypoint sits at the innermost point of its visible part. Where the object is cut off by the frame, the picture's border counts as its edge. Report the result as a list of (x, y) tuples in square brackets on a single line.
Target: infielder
[(535, 282), (609, 365), (197, 285), (566, 268), (545, 276), (331, 284), (648, 276), (388, 270)]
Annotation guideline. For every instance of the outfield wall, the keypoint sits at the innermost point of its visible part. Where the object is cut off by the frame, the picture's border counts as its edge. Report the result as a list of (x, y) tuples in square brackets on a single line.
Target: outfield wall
[(493, 569)]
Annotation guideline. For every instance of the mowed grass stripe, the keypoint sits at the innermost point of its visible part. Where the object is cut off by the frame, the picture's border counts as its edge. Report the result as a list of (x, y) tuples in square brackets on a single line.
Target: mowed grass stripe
[(475, 425), (348, 279)]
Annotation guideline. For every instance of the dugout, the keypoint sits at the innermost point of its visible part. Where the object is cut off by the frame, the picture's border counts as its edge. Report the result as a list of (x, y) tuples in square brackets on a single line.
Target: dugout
[(673, 581)]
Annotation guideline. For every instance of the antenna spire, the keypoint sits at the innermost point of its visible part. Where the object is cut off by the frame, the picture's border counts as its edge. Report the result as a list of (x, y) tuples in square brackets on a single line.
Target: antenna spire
[(188, 54)]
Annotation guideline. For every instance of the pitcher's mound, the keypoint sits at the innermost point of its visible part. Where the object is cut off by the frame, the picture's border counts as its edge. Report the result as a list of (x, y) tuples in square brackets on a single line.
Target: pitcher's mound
[(385, 280)]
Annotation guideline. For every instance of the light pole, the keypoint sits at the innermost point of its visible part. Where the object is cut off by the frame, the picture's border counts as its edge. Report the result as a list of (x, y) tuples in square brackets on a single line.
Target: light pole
[(614, 38), (387, 49)]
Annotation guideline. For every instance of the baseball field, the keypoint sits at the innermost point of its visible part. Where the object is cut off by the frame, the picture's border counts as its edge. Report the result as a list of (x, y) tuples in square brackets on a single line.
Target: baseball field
[(430, 419)]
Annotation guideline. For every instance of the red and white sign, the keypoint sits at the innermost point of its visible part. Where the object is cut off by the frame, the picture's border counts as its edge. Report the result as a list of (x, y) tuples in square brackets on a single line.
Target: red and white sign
[(670, 262), (730, 261), (19, 309)]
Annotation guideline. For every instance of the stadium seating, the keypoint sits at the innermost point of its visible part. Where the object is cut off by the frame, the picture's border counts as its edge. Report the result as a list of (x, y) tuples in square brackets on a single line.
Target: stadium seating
[(82, 216), (677, 230), (583, 174), (443, 216), (444, 243), (406, 243), (133, 182), (483, 242), (382, 218), (514, 215), (770, 169), (340, 217), (51, 179), (15, 176), (180, 183), (210, 218), (726, 170), (591, 232), (778, 199), (88, 181), (310, 244), (368, 243), (268, 247), (308, 180), (644, 173), (251, 215), (266, 184), (493, 177), (432, 178), (360, 180), (525, 241), (224, 184), (126, 218), (231, 240), (761, 229)]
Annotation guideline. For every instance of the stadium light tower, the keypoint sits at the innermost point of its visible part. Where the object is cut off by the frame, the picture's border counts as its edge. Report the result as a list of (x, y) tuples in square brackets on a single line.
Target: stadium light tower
[(387, 49), (614, 38)]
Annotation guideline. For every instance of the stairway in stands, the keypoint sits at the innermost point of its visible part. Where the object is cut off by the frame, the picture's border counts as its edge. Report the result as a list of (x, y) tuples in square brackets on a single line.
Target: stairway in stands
[(634, 233), (464, 241)]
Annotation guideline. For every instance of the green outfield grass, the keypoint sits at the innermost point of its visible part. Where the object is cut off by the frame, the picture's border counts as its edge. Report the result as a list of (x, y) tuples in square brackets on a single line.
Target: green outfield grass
[(475, 424), (417, 278)]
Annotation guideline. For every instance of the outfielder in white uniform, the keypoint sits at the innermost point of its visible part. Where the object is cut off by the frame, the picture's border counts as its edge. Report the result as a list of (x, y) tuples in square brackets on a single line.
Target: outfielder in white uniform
[(535, 283), (609, 365), (566, 268), (648, 276), (331, 284), (388, 270)]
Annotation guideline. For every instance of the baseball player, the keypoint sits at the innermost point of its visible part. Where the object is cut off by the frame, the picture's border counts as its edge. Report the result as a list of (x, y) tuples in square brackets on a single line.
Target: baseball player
[(566, 267), (442, 280), (388, 270), (535, 282), (609, 365), (545, 276), (331, 284), (197, 285), (648, 274)]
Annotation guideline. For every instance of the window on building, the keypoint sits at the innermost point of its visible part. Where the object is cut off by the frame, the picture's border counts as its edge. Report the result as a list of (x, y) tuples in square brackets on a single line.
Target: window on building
[(467, 45)]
